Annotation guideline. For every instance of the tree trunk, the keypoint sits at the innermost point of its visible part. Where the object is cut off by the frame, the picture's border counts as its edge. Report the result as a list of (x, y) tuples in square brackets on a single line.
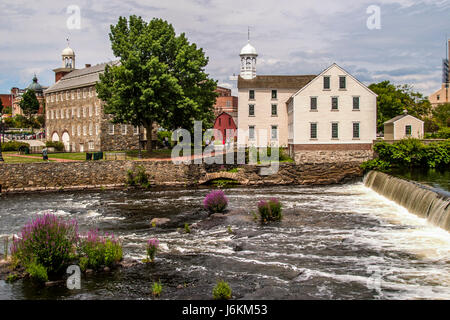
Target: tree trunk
[(149, 138)]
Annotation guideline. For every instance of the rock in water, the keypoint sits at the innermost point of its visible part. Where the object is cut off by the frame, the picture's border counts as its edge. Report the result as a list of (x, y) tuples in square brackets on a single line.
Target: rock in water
[(159, 221)]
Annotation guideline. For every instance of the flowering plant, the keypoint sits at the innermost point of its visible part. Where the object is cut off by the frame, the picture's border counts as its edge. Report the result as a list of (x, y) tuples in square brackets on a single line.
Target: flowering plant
[(99, 250), (270, 210), (46, 240), (215, 201), (152, 248)]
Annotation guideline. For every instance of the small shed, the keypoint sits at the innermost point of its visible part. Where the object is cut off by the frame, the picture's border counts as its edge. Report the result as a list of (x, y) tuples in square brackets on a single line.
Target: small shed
[(403, 126)]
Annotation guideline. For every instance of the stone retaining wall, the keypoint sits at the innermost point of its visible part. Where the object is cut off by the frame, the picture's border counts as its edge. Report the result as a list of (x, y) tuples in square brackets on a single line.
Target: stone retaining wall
[(96, 174)]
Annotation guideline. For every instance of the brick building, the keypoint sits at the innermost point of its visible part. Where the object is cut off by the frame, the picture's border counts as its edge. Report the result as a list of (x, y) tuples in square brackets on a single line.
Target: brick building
[(225, 102), (74, 113)]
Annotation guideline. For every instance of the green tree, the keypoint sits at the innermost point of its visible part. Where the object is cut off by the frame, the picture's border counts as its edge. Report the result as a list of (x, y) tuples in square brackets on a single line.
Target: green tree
[(160, 79), (1, 107), (441, 115), (392, 100), (29, 104)]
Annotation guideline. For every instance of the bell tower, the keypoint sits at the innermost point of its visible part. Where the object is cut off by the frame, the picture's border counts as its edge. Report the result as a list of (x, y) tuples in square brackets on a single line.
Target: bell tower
[(248, 60), (68, 63)]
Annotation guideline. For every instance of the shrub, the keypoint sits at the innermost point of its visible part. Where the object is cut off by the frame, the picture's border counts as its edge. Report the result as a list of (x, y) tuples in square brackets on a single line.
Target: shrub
[(152, 248), (222, 291), (83, 264), (99, 250), (46, 240), (270, 210), (375, 164), (14, 146), (410, 153), (215, 201), (156, 289), (138, 178), (58, 145), (186, 228), (37, 272)]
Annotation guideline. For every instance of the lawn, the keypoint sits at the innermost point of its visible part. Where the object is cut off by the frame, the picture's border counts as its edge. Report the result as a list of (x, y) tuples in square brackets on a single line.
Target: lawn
[(10, 158)]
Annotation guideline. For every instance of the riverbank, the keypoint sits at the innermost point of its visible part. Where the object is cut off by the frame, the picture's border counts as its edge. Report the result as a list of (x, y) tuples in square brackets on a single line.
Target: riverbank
[(57, 176)]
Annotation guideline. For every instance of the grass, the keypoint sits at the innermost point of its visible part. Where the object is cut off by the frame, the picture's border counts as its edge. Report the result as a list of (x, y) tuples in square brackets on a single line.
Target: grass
[(67, 156), (10, 158)]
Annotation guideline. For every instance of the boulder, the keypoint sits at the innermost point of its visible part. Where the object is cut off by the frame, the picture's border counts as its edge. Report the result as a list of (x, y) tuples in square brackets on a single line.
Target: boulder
[(159, 221)]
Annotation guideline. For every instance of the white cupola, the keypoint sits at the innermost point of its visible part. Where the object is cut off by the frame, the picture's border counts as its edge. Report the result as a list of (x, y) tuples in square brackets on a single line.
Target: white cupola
[(248, 61), (68, 58)]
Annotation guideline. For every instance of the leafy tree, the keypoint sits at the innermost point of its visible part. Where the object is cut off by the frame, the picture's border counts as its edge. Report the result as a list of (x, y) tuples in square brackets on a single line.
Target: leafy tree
[(441, 114), (29, 103), (392, 100), (160, 78), (1, 107)]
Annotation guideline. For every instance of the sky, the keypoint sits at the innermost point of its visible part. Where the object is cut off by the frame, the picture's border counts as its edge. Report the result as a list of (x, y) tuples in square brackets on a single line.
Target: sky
[(291, 37)]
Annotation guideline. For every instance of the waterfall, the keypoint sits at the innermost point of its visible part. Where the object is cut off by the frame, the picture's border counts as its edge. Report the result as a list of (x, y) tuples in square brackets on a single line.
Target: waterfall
[(416, 198)]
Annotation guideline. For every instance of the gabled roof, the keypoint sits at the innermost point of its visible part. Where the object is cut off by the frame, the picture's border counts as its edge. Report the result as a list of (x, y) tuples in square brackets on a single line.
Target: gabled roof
[(275, 82), (326, 70), (79, 78), (401, 117)]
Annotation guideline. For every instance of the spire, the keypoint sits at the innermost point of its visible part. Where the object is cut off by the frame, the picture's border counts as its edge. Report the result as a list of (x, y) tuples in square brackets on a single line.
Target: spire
[(248, 35)]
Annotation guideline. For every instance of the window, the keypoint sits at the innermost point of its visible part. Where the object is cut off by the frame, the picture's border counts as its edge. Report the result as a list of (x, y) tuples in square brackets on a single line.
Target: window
[(90, 111), (91, 128), (334, 103), (78, 112), (97, 110), (251, 110), (251, 132), (67, 113), (53, 114), (84, 93), (84, 112), (355, 103), (78, 94), (73, 130), (84, 130), (73, 94), (48, 115), (62, 113), (274, 94), (438, 97), (136, 130), (96, 129), (123, 127), (326, 82), (57, 114), (274, 135), (57, 97), (91, 145), (79, 130), (67, 95), (355, 130), (111, 129), (313, 104), (251, 94), (334, 130), (228, 104), (274, 110), (73, 112), (313, 130), (408, 129), (342, 82)]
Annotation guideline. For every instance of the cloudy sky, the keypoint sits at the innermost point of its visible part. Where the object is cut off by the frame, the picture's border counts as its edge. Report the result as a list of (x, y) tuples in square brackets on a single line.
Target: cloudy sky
[(291, 37)]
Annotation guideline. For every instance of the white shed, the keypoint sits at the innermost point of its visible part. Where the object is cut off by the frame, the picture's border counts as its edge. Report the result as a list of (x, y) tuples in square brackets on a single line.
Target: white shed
[(403, 126)]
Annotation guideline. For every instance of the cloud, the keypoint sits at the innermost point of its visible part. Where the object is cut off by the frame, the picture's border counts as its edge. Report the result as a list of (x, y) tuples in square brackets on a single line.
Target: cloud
[(291, 37)]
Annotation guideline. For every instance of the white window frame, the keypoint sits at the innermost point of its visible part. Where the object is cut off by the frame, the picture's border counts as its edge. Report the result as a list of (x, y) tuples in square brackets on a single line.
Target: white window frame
[(111, 129)]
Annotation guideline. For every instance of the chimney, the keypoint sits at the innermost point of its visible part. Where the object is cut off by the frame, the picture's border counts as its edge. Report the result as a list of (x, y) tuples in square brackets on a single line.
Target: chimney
[(87, 65)]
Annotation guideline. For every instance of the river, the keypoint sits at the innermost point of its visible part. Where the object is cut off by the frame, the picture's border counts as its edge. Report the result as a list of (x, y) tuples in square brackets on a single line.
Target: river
[(335, 242)]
